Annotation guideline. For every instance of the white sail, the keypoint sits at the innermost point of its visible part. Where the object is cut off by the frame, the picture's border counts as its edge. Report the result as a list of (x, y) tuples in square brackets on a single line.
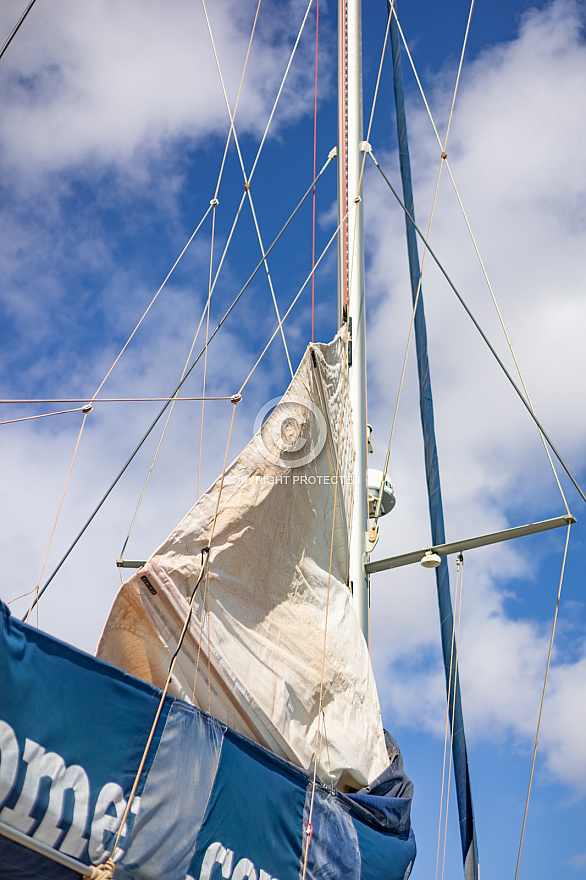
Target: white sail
[(254, 652)]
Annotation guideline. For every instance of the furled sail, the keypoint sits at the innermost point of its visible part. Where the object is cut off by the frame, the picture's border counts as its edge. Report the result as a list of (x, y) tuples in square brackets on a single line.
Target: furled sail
[(254, 654)]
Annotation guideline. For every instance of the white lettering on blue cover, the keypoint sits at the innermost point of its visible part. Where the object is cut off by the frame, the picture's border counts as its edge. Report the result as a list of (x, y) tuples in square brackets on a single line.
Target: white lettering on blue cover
[(217, 854), (40, 765), (9, 758), (110, 796), (75, 779), (244, 869)]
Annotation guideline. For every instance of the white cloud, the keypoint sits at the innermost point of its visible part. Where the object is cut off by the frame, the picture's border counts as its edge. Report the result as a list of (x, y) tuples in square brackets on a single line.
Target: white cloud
[(516, 156), (113, 81)]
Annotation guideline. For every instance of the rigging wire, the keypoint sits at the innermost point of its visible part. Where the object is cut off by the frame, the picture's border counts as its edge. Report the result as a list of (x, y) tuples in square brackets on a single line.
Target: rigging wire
[(211, 287), (61, 412), (152, 302), (214, 203), (247, 180), (333, 237), (16, 28), (481, 331), (547, 665), (180, 384), (111, 400), (443, 146), (87, 408), (232, 116), (205, 358), (444, 157), (110, 863), (348, 270), (52, 535)]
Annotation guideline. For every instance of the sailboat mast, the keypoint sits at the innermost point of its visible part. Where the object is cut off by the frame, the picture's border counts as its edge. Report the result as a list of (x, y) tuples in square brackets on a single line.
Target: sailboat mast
[(351, 276)]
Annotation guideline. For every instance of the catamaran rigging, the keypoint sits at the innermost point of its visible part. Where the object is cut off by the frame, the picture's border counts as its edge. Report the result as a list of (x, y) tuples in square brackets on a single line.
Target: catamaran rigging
[(236, 859)]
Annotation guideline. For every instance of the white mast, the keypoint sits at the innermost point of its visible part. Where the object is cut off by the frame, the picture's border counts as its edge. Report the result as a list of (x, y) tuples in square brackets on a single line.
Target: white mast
[(351, 276)]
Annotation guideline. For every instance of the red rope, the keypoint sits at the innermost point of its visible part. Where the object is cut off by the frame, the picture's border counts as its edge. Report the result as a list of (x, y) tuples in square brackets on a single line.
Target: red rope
[(314, 171)]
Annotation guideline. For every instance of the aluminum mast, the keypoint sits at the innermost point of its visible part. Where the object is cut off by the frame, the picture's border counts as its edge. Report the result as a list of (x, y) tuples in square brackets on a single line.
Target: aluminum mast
[(351, 277)]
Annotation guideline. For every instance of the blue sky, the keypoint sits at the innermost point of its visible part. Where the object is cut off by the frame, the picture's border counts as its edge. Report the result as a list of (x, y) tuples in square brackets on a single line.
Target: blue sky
[(111, 140)]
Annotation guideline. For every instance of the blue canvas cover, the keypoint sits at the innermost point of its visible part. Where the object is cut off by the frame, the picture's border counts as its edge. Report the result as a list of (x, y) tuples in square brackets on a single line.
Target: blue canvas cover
[(210, 804)]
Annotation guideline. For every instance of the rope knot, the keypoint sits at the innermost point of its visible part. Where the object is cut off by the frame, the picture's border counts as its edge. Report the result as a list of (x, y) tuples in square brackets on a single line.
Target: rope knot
[(104, 872)]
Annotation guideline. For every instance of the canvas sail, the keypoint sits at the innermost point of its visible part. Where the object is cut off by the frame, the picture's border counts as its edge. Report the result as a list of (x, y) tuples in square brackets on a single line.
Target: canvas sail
[(254, 653)]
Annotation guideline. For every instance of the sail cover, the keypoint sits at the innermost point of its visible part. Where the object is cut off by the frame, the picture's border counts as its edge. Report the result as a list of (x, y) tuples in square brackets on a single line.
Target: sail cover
[(257, 654), (209, 805)]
